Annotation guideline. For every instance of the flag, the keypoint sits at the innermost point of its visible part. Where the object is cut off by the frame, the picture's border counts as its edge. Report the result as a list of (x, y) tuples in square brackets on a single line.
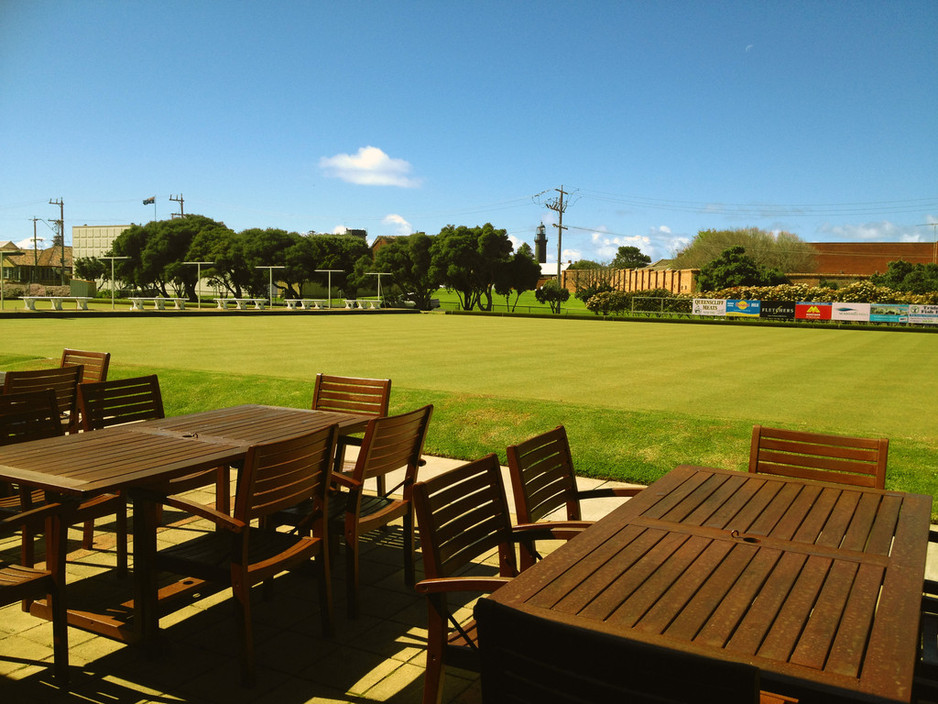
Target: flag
[(150, 200)]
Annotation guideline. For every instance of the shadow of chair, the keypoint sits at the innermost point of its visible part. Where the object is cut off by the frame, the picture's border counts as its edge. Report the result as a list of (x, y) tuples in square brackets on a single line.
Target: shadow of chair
[(276, 475), (23, 582), (528, 660), (33, 416), (136, 399), (543, 482), (63, 380), (95, 363), (829, 458), (463, 517)]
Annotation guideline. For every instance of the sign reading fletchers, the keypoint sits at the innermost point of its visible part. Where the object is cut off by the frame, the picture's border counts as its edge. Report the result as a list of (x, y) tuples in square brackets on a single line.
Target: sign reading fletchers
[(927, 315), (709, 306), (812, 311)]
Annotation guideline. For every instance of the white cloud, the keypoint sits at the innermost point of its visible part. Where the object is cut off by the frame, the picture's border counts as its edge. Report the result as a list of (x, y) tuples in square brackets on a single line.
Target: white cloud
[(339, 230), (884, 231), (369, 167), (398, 224)]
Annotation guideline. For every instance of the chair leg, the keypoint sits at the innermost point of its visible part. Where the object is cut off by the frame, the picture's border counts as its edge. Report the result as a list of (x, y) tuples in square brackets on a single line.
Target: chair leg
[(436, 642), (409, 577), (324, 586), (121, 540), (242, 594), (223, 490), (87, 535), (351, 574), (55, 557)]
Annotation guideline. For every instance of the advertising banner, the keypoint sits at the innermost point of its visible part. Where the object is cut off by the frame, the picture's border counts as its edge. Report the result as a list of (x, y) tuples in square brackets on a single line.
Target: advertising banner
[(889, 312), (857, 312), (813, 311), (926, 315), (709, 306), (777, 310), (740, 308)]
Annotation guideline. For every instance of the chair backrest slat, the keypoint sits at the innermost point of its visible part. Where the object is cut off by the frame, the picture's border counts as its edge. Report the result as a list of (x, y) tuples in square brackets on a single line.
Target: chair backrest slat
[(95, 363), (462, 514), (528, 659), (830, 458), (63, 380), (393, 442), (31, 415), (120, 401), (284, 473), (349, 394), (542, 477)]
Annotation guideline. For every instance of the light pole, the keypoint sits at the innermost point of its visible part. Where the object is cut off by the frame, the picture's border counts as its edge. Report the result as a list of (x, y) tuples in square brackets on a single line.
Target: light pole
[(5, 253), (379, 274), (112, 276), (270, 285), (198, 281), (323, 271)]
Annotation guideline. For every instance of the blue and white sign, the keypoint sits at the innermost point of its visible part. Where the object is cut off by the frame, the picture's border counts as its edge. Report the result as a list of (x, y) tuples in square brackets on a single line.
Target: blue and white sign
[(856, 312)]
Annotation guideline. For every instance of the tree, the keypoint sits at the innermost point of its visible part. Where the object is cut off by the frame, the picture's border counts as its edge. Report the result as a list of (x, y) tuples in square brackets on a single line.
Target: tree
[(465, 259), (628, 257), (913, 278), (225, 248), (783, 251), (519, 274), (553, 294), (408, 259), (736, 268), (91, 269)]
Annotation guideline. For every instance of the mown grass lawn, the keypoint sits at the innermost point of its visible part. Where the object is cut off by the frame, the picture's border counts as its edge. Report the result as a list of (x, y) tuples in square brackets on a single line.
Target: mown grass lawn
[(637, 398)]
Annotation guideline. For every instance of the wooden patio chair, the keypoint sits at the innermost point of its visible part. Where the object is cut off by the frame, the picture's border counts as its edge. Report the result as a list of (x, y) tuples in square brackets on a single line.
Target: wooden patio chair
[(828, 458), (122, 401), (528, 660), (391, 443), (25, 583), (276, 475), (350, 394), (462, 516), (95, 363), (926, 668), (32, 416), (63, 380), (543, 481)]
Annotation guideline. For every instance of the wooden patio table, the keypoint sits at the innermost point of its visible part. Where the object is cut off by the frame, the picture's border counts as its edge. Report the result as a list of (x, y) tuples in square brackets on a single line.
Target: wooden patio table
[(138, 457), (818, 585)]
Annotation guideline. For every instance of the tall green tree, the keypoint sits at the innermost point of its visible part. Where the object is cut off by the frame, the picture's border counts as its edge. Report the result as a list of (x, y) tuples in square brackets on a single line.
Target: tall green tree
[(407, 259), (628, 257), (783, 251), (736, 268), (225, 248), (904, 276), (465, 259), (553, 294), (519, 274)]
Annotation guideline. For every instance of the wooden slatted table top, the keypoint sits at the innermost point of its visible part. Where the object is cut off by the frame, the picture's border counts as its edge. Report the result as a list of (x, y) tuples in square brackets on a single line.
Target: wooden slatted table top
[(136, 454), (815, 584)]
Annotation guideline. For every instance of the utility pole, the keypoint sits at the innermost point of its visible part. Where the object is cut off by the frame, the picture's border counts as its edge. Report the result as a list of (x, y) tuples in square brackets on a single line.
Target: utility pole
[(61, 223), (558, 205), (179, 199)]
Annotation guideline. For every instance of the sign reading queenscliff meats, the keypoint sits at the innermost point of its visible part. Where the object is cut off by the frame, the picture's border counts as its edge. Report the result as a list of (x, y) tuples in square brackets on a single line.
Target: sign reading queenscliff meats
[(889, 312), (859, 312), (777, 310), (742, 309), (927, 315), (813, 311), (709, 306)]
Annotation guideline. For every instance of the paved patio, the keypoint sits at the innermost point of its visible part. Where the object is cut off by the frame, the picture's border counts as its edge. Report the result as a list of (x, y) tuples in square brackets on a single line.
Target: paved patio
[(377, 658)]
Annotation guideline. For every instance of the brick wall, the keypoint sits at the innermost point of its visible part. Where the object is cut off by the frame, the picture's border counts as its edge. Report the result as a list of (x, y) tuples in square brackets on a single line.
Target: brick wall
[(867, 258)]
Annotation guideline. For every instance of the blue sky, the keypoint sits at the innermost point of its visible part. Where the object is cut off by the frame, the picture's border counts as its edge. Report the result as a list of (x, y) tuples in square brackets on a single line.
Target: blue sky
[(660, 118)]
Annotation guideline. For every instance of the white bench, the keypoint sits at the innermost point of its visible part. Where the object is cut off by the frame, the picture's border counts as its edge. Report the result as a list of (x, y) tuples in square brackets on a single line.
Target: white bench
[(362, 303), (81, 302), (241, 303), (159, 303)]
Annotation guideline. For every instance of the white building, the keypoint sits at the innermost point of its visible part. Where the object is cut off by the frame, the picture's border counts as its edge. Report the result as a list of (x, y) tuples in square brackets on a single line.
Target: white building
[(94, 240)]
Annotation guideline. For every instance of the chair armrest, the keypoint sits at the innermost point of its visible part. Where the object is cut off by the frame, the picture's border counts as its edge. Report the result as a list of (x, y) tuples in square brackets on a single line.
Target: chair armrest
[(346, 480), (607, 492), (549, 530), (210, 514), (440, 585), (34, 517)]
